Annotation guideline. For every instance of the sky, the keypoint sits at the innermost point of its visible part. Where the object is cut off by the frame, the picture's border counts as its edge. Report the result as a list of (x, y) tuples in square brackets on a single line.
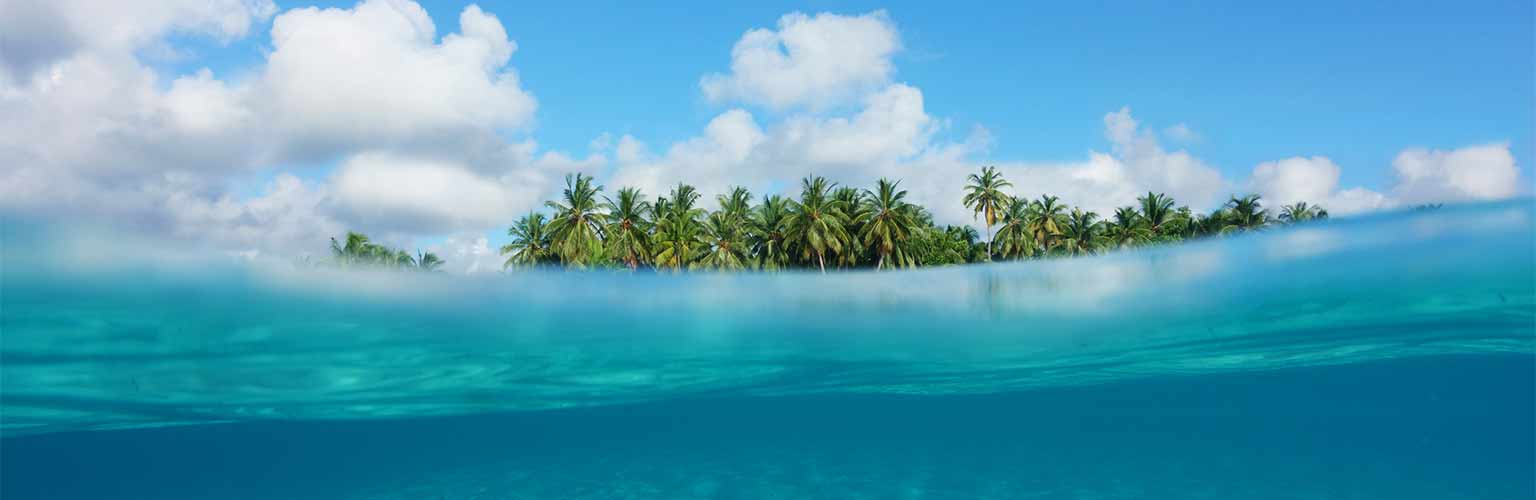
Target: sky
[(265, 128)]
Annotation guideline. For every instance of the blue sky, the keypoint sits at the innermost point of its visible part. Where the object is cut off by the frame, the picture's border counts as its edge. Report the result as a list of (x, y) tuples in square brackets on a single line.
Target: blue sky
[(1256, 81), (1361, 106)]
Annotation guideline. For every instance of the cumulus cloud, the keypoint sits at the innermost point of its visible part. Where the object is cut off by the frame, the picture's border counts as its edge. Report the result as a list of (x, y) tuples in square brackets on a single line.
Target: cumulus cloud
[(1482, 172), (815, 60), (1100, 182), (376, 75), (734, 149), (35, 35), (286, 220), (468, 253), (1135, 164), (89, 131), (1295, 179), (1182, 133), (1314, 180), (392, 192), (1147, 164)]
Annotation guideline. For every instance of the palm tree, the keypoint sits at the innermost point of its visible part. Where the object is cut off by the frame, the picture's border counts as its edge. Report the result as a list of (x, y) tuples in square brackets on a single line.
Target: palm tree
[(1045, 220), (1128, 229), (1300, 211), (1157, 213), (984, 195), (428, 261), (627, 227), (816, 223), (888, 230), (766, 237), (842, 224), (1081, 234), (577, 225), (1200, 225), (531, 245), (1245, 214), (851, 201), (400, 259), (360, 251), (737, 203), (1015, 238), (725, 243), (678, 235), (355, 250)]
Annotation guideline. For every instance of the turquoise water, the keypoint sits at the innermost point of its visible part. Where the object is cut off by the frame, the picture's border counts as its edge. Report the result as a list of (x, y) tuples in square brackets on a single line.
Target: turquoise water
[(1383, 357)]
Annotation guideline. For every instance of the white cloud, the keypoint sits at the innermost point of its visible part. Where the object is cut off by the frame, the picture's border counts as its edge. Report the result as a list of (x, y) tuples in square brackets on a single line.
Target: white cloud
[(1147, 164), (892, 125), (285, 220), (1314, 180), (468, 253), (1135, 164), (810, 60), (1357, 200), (375, 75), (1295, 179), (39, 34), (1182, 133), (892, 135), (199, 104), (1482, 172), (90, 132), (734, 149), (385, 191), (723, 155)]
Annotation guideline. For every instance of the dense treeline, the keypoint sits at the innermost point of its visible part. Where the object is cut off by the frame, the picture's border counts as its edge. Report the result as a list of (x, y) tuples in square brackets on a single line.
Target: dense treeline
[(835, 227), (841, 227)]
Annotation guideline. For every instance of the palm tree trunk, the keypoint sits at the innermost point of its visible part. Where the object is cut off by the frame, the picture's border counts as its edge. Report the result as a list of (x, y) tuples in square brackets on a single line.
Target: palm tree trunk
[(881, 265), (821, 263), (989, 243)]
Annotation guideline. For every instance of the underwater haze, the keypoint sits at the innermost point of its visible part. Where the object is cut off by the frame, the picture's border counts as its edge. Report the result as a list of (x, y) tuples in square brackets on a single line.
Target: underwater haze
[(1385, 357)]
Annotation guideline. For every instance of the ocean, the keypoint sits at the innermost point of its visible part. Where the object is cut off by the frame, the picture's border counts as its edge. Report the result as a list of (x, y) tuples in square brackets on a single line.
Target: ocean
[(1382, 357)]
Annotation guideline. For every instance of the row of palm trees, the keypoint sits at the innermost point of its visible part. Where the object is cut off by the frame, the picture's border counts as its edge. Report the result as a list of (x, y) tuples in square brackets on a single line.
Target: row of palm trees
[(1047, 227), (842, 227), (358, 251)]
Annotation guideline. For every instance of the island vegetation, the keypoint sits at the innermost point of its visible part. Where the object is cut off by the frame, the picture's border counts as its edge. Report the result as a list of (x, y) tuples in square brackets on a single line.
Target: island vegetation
[(829, 226)]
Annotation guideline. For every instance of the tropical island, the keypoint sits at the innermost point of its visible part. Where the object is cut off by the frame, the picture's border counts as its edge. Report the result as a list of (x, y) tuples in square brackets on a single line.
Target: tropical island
[(828, 227)]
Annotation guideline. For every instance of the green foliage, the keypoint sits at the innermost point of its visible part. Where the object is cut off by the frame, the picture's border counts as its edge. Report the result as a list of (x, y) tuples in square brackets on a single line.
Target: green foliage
[(1016, 239), (817, 223), (359, 251), (628, 227), (1245, 214), (985, 197), (1300, 212), (679, 233), (887, 225), (577, 226), (531, 245), (829, 225)]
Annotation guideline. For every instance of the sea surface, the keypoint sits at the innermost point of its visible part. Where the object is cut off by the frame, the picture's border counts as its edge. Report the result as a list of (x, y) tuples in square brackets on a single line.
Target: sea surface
[(1384, 357)]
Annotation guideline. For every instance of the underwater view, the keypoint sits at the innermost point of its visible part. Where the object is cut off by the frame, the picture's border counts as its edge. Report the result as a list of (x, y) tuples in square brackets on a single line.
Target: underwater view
[(1389, 356)]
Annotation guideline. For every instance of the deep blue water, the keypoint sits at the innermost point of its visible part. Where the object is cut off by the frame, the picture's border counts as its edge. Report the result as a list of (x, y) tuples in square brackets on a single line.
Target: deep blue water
[(1389, 357)]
